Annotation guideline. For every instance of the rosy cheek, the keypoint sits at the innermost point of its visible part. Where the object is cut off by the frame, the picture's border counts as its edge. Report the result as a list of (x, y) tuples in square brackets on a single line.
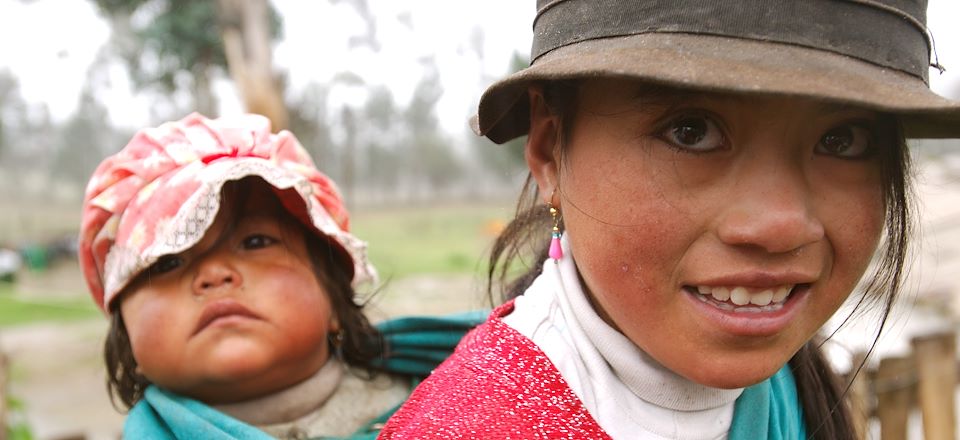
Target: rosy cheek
[(148, 327)]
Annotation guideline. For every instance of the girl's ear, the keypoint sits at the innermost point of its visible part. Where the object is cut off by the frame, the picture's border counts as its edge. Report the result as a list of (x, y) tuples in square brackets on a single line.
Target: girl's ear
[(542, 151)]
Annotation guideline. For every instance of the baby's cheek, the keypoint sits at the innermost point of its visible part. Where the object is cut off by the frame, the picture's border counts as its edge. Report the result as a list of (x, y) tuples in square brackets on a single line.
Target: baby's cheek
[(151, 329)]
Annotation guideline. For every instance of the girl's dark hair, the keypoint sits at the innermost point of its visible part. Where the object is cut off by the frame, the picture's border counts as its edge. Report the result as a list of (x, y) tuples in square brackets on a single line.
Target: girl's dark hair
[(525, 244), (361, 342)]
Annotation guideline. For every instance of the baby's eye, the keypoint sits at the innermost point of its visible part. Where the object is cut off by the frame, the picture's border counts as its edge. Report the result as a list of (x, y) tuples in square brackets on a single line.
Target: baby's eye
[(847, 141), (166, 263), (694, 133), (258, 241)]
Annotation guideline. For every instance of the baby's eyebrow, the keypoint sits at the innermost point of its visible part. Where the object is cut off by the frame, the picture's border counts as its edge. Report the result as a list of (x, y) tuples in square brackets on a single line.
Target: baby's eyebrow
[(258, 217)]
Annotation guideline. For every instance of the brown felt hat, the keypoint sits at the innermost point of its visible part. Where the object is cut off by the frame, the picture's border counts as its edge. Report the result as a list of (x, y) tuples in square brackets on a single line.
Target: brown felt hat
[(874, 54)]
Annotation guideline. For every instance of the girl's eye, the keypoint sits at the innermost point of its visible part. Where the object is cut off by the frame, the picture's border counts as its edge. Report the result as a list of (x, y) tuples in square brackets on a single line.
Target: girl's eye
[(258, 241), (846, 141), (694, 133), (166, 263)]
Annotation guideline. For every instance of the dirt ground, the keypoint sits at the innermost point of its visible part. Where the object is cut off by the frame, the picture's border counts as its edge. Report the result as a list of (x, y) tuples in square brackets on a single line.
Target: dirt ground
[(58, 373)]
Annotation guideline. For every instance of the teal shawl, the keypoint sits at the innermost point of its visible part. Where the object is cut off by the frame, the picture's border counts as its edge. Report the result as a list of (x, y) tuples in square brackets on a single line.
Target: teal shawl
[(415, 345), (769, 410)]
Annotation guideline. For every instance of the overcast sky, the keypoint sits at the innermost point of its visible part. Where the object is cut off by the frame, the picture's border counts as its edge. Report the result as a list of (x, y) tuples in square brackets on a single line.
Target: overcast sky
[(50, 44)]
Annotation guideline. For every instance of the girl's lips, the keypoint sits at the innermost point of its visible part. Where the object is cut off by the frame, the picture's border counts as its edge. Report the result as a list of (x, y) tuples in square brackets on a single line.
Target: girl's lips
[(222, 308), (750, 320)]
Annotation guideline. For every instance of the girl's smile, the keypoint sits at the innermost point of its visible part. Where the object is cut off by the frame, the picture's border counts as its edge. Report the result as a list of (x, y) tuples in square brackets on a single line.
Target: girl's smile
[(731, 226), (752, 314)]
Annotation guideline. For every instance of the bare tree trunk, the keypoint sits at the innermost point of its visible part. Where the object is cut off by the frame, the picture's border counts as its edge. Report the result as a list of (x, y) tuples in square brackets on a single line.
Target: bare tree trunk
[(204, 100), (245, 28), (349, 152)]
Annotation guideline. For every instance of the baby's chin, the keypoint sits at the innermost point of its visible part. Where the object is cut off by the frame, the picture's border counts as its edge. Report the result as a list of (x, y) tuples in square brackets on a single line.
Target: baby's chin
[(243, 385), (238, 375)]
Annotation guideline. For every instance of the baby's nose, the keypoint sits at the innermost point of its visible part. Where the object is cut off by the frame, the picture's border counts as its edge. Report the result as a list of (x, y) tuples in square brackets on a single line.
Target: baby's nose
[(215, 274)]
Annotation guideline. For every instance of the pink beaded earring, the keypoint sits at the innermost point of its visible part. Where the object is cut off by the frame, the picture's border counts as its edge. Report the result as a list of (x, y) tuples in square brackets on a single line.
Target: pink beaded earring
[(556, 252)]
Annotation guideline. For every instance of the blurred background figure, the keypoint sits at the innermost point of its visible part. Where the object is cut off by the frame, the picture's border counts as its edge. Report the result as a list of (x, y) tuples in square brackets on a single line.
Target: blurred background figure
[(10, 263)]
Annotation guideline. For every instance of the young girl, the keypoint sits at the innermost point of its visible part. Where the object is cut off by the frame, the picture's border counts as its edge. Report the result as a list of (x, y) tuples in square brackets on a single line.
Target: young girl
[(224, 260), (708, 183)]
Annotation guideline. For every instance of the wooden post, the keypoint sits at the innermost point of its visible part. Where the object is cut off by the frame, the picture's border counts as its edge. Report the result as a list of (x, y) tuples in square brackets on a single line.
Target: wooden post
[(859, 396), (894, 387), (936, 364)]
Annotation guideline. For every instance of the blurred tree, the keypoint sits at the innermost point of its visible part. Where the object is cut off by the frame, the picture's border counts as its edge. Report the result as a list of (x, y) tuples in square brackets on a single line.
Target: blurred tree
[(309, 119), (12, 108), (181, 44), (506, 159), (347, 181), (248, 28), (381, 115), (432, 159), (83, 141), (25, 138)]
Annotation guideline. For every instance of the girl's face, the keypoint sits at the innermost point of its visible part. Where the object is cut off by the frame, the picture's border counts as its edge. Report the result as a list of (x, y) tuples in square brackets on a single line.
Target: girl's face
[(238, 315), (717, 232)]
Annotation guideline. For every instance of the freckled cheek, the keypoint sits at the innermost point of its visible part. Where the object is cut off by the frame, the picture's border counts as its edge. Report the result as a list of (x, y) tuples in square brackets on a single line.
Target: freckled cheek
[(622, 227), (858, 231), (153, 329), (627, 264)]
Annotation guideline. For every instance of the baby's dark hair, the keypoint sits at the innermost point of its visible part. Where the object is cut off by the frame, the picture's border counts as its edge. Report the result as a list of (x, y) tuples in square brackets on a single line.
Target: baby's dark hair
[(359, 346)]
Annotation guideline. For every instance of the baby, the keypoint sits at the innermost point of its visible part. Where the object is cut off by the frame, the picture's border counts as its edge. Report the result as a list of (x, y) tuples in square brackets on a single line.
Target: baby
[(224, 260)]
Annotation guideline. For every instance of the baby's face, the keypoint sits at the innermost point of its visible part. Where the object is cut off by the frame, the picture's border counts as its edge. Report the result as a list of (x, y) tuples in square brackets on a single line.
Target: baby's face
[(239, 315)]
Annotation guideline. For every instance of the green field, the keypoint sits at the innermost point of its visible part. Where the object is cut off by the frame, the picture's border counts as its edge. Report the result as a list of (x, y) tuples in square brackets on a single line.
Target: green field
[(18, 310), (422, 240)]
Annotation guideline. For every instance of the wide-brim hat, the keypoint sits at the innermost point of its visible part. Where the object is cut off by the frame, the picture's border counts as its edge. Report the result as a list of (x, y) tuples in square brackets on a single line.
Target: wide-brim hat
[(874, 54)]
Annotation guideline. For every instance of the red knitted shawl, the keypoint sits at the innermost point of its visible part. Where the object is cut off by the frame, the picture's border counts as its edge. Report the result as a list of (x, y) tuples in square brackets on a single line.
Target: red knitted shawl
[(499, 385)]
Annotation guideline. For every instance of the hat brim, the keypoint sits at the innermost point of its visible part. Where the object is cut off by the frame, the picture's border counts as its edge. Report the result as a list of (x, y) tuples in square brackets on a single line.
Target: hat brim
[(723, 64), (200, 207)]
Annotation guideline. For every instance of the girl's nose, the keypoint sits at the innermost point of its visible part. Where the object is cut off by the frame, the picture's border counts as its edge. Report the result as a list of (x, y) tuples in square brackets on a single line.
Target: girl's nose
[(771, 208), (215, 273)]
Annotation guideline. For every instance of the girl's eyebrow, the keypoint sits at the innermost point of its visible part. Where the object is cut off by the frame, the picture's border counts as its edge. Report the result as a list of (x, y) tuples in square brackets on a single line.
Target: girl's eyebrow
[(647, 96), (659, 96), (831, 108)]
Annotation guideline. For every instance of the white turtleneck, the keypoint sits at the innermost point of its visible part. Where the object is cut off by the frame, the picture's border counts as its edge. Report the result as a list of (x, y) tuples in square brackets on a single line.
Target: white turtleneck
[(626, 391), (336, 401)]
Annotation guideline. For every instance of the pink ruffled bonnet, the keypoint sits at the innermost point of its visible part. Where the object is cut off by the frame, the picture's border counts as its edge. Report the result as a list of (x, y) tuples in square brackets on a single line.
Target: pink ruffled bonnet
[(161, 192)]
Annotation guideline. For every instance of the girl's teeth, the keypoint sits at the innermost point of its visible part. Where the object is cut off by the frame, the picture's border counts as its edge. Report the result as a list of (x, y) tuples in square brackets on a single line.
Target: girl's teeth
[(741, 296), (781, 294), (720, 293), (762, 298)]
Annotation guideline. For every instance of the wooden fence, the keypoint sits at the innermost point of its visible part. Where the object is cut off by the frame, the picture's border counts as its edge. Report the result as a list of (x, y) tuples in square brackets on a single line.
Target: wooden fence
[(925, 380)]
